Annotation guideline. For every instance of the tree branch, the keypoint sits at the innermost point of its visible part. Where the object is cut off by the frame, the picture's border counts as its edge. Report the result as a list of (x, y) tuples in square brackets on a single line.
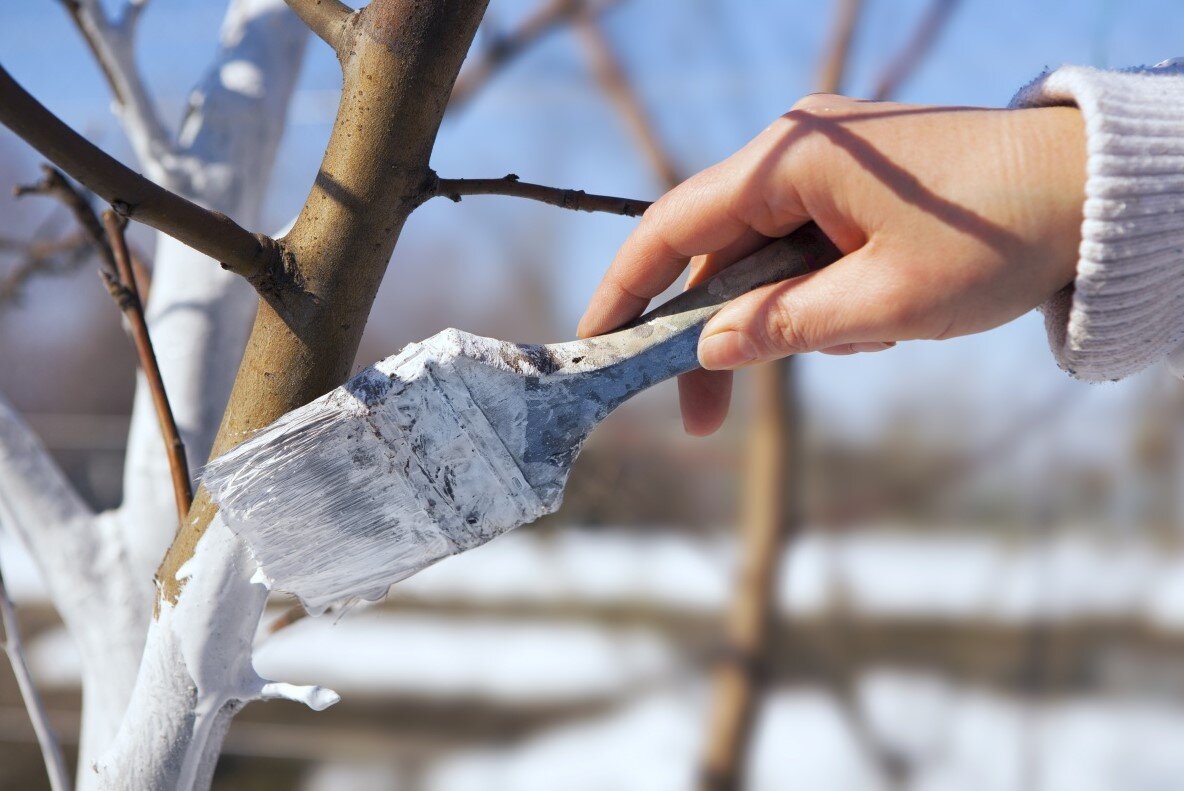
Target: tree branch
[(256, 257), (610, 74), (905, 64), (771, 517), (836, 55), (118, 273), (48, 257), (510, 185), (55, 185), (505, 48), (10, 640), (113, 45), (122, 285), (326, 18)]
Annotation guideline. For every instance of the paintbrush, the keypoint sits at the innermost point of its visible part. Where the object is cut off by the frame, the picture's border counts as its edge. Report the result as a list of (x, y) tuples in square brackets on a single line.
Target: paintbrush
[(453, 441)]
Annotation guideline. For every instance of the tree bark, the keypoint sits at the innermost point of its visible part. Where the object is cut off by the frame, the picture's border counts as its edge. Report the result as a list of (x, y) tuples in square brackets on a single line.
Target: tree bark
[(400, 60)]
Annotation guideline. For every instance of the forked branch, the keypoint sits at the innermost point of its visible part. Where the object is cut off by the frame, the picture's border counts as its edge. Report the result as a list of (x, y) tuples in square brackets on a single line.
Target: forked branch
[(112, 42), (118, 275), (256, 257), (325, 18), (511, 185)]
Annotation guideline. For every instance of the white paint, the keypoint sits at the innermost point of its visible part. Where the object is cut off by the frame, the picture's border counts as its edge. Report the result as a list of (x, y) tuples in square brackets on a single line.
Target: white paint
[(383, 476), (199, 316), (197, 673), (98, 568), (242, 77)]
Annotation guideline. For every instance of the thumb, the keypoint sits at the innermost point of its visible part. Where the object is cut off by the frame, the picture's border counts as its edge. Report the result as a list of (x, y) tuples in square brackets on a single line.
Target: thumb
[(850, 301)]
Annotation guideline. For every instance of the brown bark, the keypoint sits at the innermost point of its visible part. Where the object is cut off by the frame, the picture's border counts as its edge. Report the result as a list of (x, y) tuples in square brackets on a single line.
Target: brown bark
[(770, 518), (126, 291), (399, 64)]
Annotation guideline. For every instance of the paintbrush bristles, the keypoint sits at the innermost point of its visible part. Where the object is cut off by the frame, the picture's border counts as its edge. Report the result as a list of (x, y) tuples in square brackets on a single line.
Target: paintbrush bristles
[(389, 473)]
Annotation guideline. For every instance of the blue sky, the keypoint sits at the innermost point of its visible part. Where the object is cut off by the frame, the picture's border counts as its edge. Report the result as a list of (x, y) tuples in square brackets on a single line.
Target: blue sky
[(714, 73)]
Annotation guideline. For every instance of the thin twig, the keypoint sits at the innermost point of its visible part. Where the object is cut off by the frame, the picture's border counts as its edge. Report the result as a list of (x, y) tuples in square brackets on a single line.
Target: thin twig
[(49, 257), (905, 64), (615, 84), (256, 257), (54, 184), (10, 639), (507, 47), (126, 293), (510, 185), (285, 619), (119, 276), (325, 18)]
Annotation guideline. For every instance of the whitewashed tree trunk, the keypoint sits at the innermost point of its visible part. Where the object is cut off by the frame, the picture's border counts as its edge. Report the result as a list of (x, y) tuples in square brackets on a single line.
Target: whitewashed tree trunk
[(99, 568), (199, 316)]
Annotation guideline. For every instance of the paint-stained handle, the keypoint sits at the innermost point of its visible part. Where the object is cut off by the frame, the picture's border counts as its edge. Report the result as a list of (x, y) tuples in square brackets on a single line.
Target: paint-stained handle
[(799, 253), (663, 342)]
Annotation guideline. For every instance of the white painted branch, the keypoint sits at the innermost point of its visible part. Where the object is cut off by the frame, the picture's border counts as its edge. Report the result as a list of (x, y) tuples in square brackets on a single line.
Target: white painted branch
[(196, 672), (82, 560), (199, 315), (34, 494), (10, 640), (113, 44)]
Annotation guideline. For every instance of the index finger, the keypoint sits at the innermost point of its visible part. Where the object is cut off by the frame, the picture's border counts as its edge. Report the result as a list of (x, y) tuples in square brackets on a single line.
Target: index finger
[(693, 218), (706, 213)]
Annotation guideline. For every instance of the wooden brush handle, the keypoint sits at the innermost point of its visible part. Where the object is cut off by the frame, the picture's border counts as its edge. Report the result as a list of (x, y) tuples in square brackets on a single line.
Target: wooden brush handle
[(664, 342)]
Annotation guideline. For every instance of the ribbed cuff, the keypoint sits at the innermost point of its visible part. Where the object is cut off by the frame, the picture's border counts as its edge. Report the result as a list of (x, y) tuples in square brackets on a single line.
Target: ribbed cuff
[(1125, 310)]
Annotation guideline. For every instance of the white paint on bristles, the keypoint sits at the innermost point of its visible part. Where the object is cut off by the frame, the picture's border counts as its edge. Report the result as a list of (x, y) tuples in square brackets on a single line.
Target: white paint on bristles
[(401, 465)]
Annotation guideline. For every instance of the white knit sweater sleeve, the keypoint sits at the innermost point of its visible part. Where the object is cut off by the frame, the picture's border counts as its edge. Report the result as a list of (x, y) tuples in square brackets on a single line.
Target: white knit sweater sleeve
[(1125, 310)]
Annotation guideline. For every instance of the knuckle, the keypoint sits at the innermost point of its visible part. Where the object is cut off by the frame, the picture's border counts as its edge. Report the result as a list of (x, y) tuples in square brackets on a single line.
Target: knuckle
[(782, 331), (817, 102)]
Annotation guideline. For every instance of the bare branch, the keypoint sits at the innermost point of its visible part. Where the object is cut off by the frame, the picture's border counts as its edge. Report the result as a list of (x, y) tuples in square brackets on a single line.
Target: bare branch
[(49, 257), (326, 18), (617, 87), (834, 61), (10, 639), (771, 516), (507, 47), (510, 185), (127, 295), (55, 185), (254, 256), (905, 64), (118, 273), (113, 45)]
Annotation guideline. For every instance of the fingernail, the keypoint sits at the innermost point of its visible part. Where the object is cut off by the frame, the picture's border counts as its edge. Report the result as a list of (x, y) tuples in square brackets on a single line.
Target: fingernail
[(871, 346), (724, 350)]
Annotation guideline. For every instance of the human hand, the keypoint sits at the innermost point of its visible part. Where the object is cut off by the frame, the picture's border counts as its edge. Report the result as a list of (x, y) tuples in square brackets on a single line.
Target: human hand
[(951, 221)]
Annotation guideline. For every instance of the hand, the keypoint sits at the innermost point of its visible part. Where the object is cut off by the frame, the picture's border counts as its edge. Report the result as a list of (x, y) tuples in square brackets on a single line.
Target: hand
[(951, 221)]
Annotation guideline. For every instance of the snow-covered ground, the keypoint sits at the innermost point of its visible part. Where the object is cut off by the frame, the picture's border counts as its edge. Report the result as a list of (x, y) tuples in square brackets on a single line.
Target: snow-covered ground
[(947, 736)]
